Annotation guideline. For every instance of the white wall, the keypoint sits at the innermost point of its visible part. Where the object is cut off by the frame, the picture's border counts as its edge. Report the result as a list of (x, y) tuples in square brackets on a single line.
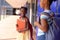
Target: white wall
[(8, 27)]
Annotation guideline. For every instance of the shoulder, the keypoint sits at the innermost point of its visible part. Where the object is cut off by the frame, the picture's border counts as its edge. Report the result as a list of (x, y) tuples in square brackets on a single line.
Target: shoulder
[(44, 16), (19, 18), (45, 13), (27, 19)]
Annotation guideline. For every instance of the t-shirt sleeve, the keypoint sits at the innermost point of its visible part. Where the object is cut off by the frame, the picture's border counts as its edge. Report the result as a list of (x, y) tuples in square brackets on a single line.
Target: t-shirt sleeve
[(44, 17)]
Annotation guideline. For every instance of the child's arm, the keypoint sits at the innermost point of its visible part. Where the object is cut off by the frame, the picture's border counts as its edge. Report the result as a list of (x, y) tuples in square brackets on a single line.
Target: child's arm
[(27, 25), (31, 30), (16, 25), (44, 23)]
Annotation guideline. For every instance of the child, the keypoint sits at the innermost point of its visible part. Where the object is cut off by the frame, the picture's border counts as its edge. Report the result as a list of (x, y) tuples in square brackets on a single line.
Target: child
[(45, 21), (23, 25)]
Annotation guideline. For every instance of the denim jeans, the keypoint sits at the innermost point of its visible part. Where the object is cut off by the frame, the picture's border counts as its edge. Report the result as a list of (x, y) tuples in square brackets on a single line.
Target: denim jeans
[(42, 37)]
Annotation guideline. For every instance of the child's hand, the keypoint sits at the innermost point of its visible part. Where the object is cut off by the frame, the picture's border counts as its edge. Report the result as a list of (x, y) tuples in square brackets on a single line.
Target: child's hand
[(19, 31), (36, 23), (23, 30), (16, 25)]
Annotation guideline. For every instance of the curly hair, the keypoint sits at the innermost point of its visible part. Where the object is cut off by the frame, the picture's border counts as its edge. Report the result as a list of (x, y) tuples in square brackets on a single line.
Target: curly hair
[(25, 8)]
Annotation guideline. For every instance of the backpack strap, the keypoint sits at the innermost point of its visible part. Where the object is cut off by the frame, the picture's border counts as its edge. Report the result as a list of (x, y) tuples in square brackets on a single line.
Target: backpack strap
[(45, 13), (51, 15)]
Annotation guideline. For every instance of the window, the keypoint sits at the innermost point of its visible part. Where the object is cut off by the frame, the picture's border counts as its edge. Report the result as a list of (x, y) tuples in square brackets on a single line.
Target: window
[(9, 11)]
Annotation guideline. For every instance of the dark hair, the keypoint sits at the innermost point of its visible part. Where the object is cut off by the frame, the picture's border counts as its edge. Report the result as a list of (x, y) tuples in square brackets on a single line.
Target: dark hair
[(50, 1), (25, 8)]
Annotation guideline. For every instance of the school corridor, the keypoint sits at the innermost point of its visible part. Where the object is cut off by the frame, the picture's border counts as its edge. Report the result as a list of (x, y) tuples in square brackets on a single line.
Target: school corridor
[(8, 28), (8, 16)]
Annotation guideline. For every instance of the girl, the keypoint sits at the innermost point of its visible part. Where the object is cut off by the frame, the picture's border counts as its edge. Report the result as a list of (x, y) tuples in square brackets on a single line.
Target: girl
[(23, 26), (45, 21)]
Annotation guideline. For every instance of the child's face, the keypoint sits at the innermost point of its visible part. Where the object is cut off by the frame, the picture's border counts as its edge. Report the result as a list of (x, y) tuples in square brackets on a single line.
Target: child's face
[(43, 3), (22, 12)]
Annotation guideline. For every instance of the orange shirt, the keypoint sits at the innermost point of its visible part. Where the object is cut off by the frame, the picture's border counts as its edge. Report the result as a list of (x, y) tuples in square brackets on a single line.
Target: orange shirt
[(21, 24)]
